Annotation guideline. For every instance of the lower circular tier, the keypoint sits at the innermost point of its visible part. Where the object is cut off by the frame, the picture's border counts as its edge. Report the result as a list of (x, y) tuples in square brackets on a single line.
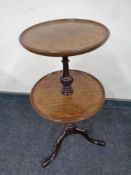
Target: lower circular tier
[(49, 102)]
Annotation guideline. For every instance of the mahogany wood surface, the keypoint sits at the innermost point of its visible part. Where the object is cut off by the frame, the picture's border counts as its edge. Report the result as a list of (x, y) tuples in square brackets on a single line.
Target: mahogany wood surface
[(64, 37), (49, 102)]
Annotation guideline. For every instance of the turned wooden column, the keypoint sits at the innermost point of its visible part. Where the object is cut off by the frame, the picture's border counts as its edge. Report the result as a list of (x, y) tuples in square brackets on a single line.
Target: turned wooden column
[(66, 79)]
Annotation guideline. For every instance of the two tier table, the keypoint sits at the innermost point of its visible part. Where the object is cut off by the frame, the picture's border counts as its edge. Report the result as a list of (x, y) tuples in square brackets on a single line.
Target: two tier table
[(66, 96)]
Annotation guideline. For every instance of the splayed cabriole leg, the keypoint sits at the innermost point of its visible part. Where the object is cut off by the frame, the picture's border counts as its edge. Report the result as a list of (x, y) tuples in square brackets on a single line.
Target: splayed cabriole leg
[(56, 149), (85, 133), (68, 130)]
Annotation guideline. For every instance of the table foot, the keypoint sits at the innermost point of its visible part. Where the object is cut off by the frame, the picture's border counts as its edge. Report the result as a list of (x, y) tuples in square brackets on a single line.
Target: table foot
[(68, 130)]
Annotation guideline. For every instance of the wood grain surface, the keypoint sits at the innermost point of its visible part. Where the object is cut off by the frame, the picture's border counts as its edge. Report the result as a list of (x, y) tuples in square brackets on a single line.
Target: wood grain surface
[(64, 37), (48, 101)]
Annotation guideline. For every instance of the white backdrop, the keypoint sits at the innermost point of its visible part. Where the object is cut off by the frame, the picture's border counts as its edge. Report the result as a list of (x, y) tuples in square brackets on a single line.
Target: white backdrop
[(111, 63)]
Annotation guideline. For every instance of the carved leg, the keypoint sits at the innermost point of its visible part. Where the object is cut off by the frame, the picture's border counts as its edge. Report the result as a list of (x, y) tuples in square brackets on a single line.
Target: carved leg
[(85, 133)]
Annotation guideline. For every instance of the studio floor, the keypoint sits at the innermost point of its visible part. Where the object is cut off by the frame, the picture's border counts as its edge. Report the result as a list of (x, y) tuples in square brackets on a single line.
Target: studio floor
[(26, 139)]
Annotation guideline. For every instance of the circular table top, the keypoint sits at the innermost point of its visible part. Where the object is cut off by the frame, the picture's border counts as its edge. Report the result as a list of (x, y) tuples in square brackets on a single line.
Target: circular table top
[(49, 102), (64, 37)]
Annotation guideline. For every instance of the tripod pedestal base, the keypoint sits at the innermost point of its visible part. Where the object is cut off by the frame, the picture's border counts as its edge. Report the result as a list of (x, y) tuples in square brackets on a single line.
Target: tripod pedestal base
[(69, 130)]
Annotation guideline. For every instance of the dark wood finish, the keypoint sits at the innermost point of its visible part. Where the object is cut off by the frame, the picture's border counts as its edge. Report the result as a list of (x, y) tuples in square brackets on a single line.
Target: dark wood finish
[(66, 79), (86, 100), (69, 130), (65, 37)]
